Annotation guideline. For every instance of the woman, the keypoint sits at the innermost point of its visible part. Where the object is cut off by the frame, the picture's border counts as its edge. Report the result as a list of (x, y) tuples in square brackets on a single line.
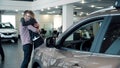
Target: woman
[(25, 37)]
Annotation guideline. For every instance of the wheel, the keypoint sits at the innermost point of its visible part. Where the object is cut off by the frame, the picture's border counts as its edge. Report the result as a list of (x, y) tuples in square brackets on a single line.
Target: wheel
[(15, 40), (36, 66)]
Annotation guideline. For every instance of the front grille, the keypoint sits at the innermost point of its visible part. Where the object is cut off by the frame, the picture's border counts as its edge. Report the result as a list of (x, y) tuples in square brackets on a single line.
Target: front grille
[(7, 33)]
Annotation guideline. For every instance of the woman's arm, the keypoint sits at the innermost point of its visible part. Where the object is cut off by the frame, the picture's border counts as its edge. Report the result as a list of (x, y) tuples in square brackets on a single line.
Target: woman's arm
[(32, 21)]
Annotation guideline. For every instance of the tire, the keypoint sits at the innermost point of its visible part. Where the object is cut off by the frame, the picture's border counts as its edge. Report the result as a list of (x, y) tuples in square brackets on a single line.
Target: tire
[(15, 40), (36, 65)]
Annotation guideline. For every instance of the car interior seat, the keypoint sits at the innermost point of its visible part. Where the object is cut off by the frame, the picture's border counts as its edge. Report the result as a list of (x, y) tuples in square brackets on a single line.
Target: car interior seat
[(114, 48), (111, 37), (86, 45)]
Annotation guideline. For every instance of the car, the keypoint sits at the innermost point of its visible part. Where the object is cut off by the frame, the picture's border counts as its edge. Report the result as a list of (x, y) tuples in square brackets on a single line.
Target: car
[(8, 32), (93, 42)]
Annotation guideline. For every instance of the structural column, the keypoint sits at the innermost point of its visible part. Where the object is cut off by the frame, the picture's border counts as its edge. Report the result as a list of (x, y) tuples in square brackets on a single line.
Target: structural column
[(0, 16), (67, 16)]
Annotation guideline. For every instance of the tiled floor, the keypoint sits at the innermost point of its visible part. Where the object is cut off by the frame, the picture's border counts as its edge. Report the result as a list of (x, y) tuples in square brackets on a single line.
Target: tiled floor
[(13, 55)]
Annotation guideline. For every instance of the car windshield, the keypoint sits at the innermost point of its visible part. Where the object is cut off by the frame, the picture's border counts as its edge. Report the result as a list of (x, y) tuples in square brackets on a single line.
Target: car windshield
[(6, 26)]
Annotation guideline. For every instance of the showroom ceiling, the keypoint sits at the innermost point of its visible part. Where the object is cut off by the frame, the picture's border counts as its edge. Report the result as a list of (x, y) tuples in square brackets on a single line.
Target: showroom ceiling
[(22, 0), (81, 8)]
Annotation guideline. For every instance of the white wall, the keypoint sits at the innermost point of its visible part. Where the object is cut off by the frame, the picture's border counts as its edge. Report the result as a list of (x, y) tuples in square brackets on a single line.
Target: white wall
[(46, 21), (57, 21), (9, 18), (50, 21)]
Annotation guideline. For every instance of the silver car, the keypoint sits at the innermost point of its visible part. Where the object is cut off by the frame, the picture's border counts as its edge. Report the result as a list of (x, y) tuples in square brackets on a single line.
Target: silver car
[(94, 42), (8, 32)]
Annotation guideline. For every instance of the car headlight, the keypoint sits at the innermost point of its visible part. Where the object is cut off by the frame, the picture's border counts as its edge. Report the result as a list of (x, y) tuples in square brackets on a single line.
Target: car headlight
[(14, 33), (1, 33)]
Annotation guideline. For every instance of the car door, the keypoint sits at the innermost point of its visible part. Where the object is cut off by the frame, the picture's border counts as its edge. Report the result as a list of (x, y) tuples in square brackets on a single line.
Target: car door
[(74, 47), (107, 53)]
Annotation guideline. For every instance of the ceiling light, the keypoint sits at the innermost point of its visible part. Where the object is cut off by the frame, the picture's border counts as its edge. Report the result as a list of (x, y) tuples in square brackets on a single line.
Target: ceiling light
[(92, 6), (42, 9), (56, 7), (51, 12), (74, 6), (16, 10), (81, 13), (22, 13), (78, 8), (74, 15), (48, 8), (87, 13), (83, 1), (99, 7)]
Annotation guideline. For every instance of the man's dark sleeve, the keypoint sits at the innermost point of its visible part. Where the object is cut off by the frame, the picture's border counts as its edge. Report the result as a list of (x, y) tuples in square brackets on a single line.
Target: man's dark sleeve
[(32, 21)]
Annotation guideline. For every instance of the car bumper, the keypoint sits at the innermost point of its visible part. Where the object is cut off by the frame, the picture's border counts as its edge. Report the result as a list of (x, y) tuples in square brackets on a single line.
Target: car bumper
[(7, 37)]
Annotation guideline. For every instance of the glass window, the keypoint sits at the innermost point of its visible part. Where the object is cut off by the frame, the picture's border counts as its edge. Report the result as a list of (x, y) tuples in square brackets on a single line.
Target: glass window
[(6, 25), (9, 18), (111, 41), (82, 38)]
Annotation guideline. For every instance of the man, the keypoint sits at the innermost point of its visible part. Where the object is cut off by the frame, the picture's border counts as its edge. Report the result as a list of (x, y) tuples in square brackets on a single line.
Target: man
[(1, 51)]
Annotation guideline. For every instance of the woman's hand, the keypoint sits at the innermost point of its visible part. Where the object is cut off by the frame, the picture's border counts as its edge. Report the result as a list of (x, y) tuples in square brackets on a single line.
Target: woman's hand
[(36, 25)]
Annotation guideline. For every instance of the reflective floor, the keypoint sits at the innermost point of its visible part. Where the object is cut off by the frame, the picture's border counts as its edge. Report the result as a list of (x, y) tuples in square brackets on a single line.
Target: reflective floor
[(13, 55)]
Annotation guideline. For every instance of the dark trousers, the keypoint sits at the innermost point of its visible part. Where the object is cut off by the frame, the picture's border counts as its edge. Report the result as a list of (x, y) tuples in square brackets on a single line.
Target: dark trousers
[(1, 51), (27, 54)]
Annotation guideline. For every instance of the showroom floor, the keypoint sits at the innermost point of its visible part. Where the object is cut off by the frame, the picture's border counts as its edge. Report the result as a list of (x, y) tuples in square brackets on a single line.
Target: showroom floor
[(13, 55)]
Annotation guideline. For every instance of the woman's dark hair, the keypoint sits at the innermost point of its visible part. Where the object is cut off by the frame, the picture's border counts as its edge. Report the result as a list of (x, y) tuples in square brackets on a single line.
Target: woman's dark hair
[(30, 12)]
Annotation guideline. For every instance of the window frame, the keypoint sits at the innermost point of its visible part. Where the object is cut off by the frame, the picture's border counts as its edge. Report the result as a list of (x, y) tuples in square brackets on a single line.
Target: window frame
[(100, 37), (67, 33)]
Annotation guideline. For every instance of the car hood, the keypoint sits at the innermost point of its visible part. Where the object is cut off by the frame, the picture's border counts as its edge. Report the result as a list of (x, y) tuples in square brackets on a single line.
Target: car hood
[(7, 30)]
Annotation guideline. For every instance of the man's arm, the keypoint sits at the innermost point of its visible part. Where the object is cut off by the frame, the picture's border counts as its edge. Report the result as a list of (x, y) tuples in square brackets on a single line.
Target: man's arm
[(32, 21)]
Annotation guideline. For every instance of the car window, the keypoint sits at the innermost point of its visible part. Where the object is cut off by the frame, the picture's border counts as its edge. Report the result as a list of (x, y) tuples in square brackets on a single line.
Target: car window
[(82, 38), (6, 25), (111, 40)]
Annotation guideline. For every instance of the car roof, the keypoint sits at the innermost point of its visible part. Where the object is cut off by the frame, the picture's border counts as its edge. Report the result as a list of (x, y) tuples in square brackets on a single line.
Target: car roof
[(115, 9), (5, 23), (103, 12)]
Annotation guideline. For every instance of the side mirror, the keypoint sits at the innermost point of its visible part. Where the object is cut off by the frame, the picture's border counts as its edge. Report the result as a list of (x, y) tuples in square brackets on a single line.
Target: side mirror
[(50, 42), (117, 4)]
